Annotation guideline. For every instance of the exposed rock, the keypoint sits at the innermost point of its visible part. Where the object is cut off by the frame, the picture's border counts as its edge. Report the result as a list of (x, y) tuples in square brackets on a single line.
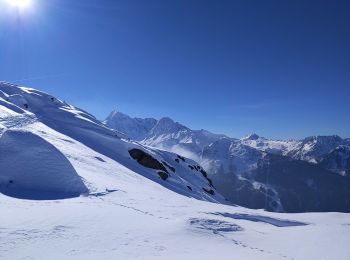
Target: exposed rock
[(170, 167), (209, 191), (210, 182), (181, 158), (100, 159), (146, 160), (163, 175), (204, 173)]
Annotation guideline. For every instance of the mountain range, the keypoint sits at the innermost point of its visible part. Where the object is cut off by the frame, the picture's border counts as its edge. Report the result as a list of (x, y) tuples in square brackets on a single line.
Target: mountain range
[(253, 171)]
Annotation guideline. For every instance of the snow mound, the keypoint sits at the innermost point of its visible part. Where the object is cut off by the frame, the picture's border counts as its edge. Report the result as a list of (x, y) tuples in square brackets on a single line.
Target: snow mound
[(32, 168)]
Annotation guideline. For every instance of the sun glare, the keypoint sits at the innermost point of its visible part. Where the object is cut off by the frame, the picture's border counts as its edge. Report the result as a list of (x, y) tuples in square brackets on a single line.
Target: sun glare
[(20, 3)]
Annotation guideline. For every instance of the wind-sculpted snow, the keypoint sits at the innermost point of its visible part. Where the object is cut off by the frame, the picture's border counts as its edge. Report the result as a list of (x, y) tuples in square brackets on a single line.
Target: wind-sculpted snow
[(32, 168)]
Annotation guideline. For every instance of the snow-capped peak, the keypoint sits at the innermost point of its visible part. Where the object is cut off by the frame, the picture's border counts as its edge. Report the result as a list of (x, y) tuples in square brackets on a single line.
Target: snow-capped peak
[(252, 136), (135, 128), (167, 126), (117, 114)]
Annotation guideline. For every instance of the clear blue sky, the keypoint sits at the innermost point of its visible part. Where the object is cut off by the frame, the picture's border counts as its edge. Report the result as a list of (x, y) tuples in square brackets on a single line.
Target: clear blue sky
[(279, 68)]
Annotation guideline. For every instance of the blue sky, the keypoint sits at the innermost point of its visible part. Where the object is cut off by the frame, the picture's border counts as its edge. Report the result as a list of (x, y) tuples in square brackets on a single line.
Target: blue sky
[(278, 68)]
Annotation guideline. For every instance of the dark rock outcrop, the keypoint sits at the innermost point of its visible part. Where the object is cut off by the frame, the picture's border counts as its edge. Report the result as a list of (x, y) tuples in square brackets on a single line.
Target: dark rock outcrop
[(146, 160), (170, 167), (209, 191), (181, 158), (163, 175)]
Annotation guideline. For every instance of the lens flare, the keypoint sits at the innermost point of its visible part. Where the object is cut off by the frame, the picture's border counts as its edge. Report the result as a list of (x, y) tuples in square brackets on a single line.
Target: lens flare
[(20, 3)]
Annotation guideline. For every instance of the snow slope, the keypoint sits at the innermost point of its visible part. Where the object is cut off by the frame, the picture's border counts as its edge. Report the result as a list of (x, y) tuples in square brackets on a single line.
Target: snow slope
[(141, 220), (128, 211), (38, 127)]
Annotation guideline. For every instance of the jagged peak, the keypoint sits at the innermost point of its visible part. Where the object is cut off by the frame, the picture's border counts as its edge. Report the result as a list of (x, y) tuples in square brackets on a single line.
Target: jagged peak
[(252, 136), (322, 137), (166, 120), (115, 113)]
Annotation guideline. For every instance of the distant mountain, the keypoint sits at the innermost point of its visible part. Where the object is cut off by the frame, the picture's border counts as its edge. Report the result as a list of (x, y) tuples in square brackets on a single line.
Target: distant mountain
[(317, 165), (337, 160), (258, 179), (315, 148), (329, 152), (170, 135), (163, 133), (272, 146), (136, 128)]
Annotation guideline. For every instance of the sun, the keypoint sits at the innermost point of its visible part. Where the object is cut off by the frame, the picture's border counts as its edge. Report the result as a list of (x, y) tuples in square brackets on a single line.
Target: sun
[(20, 3)]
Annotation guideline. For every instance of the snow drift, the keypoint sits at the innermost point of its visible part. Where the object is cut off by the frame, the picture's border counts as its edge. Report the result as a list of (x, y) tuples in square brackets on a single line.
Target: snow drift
[(32, 168)]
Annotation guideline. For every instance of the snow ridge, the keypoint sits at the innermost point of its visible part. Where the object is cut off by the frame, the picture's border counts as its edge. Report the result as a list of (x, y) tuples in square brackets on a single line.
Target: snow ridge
[(35, 130)]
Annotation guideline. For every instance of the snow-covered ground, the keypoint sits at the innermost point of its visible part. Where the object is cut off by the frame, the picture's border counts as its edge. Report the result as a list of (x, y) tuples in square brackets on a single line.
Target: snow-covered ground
[(143, 220), (70, 190)]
